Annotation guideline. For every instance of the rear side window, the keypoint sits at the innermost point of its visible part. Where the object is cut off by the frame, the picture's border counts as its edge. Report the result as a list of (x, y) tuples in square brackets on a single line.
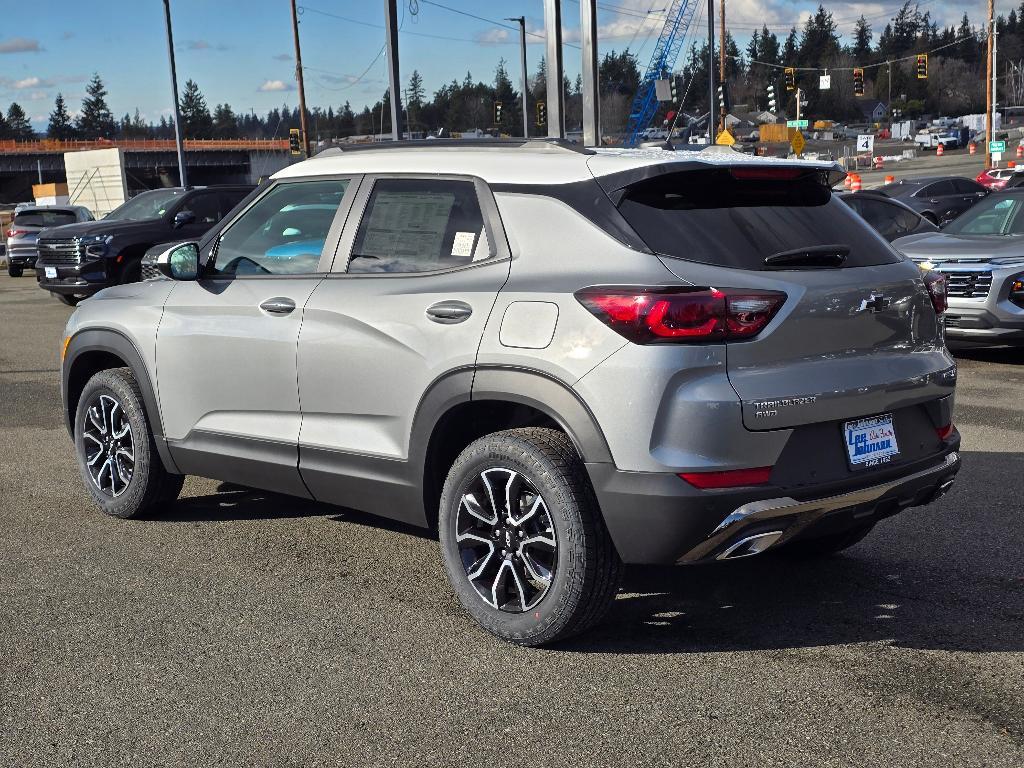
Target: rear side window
[(419, 225), (44, 218), (937, 189), (967, 186), (712, 217)]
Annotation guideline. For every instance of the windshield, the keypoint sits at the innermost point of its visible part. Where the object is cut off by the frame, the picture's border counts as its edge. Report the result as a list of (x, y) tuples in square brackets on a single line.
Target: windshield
[(41, 218), (147, 205), (997, 215)]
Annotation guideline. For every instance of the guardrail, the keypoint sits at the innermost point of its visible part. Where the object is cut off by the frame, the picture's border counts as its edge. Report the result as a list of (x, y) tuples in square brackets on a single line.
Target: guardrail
[(141, 145)]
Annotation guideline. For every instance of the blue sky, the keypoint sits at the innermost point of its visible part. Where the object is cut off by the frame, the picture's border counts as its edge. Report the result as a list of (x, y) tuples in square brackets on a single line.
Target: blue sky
[(240, 51)]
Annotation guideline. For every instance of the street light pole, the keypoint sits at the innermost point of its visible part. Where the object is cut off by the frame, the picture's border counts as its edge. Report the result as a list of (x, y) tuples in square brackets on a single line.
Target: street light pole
[(179, 144), (989, 82), (394, 79), (298, 77), (521, 20), (711, 70)]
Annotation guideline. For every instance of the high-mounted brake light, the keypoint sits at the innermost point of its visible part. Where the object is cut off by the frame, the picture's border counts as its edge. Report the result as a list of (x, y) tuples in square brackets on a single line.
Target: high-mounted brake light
[(935, 282), (682, 315), (730, 478)]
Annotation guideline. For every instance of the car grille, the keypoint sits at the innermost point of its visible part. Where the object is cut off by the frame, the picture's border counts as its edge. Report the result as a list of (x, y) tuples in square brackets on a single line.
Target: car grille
[(968, 284), (150, 272), (952, 321), (66, 251)]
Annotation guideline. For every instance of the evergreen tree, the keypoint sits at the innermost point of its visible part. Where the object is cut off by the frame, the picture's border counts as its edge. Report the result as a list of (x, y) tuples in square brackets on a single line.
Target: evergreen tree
[(225, 124), (861, 48), (346, 121), (196, 122), (18, 125), (60, 126), (4, 130), (95, 121), (790, 49)]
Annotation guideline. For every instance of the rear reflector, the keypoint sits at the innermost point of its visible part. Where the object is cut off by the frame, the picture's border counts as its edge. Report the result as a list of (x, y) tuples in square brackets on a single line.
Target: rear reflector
[(732, 478), (944, 432), (682, 314)]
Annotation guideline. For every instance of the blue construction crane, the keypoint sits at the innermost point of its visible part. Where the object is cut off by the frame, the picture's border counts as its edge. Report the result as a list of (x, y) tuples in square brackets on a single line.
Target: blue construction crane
[(677, 23)]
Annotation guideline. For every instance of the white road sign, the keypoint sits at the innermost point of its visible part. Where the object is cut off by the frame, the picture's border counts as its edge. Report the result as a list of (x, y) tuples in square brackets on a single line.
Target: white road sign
[(825, 82), (866, 143)]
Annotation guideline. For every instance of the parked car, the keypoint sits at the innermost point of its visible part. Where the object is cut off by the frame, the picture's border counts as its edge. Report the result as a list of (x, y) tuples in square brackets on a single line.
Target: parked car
[(519, 344), (994, 178), (26, 225), (77, 260), (981, 253), (937, 198), (932, 139), (890, 218)]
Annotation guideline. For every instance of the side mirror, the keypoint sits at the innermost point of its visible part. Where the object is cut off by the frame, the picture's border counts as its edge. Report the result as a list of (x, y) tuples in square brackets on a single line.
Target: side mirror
[(179, 262), (181, 218)]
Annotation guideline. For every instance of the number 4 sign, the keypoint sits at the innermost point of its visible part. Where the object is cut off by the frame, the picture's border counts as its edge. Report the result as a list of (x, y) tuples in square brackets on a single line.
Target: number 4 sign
[(866, 143)]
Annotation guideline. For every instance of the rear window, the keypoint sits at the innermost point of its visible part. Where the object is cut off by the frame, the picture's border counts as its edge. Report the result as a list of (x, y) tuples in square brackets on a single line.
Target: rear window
[(712, 217), (44, 218)]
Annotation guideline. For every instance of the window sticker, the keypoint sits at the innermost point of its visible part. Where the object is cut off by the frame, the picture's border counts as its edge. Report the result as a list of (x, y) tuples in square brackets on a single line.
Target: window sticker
[(463, 244)]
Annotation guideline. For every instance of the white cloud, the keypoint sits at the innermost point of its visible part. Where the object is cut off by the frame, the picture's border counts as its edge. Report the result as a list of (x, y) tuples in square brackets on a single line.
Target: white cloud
[(38, 95), (275, 85), (494, 36), (28, 82), (20, 45)]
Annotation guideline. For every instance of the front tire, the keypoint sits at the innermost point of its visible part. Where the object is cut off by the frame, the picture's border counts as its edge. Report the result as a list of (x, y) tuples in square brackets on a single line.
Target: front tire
[(14, 271), (523, 541), (117, 454)]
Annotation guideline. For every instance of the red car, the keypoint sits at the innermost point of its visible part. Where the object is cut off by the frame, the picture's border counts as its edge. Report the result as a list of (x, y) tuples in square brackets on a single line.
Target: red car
[(994, 178)]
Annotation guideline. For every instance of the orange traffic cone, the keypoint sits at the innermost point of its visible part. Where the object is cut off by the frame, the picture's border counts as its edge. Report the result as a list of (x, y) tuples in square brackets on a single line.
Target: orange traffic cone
[(1020, 150), (856, 185), (972, 148), (890, 179), (940, 150), (879, 163)]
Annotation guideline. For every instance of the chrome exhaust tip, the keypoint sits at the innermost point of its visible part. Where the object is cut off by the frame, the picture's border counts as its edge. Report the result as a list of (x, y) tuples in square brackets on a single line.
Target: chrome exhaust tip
[(751, 545)]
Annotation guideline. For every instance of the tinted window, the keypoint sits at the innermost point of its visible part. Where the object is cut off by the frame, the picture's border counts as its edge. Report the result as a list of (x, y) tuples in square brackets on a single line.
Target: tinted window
[(233, 197), (205, 206), (937, 189), (890, 221), (41, 218), (418, 225), (146, 205), (714, 218), (284, 232), (966, 186)]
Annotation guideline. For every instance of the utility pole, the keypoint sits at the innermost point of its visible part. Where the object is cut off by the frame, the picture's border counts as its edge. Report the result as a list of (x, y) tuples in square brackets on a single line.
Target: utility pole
[(394, 79), (995, 77), (591, 99), (521, 20), (721, 64), (556, 97), (799, 103), (179, 144), (889, 105), (298, 77), (711, 70), (989, 85)]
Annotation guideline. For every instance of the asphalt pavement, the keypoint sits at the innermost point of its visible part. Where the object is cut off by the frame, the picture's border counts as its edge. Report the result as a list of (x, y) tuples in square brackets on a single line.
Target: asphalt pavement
[(245, 628)]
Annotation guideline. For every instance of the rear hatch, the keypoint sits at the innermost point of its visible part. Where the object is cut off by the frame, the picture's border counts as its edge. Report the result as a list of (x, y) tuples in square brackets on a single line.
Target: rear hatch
[(857, 335)]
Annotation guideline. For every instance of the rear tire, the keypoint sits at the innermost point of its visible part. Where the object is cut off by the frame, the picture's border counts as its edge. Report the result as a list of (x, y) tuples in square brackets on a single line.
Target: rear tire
[(531, 499), (14, 271), (117, 455), (826, 546), (71, 301), (132, 272)]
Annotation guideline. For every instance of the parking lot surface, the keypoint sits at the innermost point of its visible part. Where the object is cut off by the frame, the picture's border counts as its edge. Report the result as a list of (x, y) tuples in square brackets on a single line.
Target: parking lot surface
[(244, 628)]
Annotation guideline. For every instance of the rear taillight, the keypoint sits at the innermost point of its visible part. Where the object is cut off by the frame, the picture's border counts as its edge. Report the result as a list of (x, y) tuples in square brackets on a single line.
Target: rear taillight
[(682, 315), (936, 285), (731, 478), (945, 432), (15, 232)]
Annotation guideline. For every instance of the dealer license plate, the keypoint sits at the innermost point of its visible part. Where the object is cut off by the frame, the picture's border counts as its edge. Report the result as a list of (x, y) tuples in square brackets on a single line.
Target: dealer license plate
[(51, 272), (870, 442)]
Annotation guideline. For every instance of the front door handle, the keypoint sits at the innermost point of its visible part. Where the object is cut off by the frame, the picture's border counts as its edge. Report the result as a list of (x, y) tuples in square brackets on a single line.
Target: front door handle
[(449, 312), (279, 305)]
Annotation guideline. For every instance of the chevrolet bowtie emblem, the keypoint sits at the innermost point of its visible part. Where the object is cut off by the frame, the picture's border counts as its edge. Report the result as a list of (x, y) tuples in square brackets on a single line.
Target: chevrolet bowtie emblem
[(876, 303)]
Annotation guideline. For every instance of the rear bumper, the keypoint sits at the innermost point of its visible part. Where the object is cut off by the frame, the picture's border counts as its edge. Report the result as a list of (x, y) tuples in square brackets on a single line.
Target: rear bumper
[(658, 518), (21, 256)]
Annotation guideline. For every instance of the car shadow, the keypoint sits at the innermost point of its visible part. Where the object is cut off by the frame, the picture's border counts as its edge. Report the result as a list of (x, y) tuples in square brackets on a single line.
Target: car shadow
[(987, 353)]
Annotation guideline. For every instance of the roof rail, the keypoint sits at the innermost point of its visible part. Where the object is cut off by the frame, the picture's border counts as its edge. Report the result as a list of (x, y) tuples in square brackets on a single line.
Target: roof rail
[(336, 148)]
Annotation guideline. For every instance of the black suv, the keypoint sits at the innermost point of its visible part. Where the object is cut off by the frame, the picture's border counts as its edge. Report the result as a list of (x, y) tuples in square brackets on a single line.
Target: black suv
[(77, 260)]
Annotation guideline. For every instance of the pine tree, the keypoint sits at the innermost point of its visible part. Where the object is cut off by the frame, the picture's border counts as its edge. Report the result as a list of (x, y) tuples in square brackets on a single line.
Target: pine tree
[(511, 115), (789, 49), (196, 122), (861, 49), (60, 126), (95, 120), (18, 125), (346, 121), (4, 130), (225, 124)]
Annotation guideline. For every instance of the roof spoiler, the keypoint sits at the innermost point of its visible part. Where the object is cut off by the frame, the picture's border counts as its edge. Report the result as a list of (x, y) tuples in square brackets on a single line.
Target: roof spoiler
[(337, 148)]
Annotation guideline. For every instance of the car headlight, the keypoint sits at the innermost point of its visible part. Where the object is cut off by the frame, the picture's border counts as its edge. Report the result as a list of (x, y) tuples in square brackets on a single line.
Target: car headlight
[(1017, 290), (95, 245)]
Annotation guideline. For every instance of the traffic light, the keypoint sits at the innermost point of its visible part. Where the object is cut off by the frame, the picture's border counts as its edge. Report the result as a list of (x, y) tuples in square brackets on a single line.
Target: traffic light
[(772, 104), (858, 82), (542, 113), (498, 112), (295, 141), (790, 79), (922, 66)]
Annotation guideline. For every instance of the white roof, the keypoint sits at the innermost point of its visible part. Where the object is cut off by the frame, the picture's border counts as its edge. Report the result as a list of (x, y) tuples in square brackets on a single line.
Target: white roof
[(504, 164)]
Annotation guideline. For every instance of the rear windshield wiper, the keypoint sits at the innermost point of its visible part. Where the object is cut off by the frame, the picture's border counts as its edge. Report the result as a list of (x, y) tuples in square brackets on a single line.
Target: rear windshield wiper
[(814, 256)]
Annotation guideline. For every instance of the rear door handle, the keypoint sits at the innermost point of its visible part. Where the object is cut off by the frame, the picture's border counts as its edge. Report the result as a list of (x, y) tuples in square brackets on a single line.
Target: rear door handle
[(449, 312), (279, 305)]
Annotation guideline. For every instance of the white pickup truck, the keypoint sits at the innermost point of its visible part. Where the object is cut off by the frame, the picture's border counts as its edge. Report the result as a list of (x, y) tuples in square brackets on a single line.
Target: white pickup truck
[(932, 139)]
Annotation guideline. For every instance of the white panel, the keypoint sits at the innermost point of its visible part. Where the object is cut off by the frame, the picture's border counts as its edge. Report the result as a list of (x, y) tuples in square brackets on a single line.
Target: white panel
[(96, 179), (528, 324)]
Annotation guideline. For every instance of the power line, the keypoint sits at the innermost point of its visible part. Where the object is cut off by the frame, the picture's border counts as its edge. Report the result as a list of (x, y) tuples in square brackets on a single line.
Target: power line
[(404, 32), (489, 21)]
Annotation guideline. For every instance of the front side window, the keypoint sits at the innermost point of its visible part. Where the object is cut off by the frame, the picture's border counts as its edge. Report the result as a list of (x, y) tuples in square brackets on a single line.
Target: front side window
[(419, 225), (992, 216), (146, 205), (205, 207), (284, 232)]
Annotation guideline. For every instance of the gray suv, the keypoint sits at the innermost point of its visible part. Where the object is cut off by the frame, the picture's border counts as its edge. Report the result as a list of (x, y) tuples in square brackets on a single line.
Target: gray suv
[(563, 360)]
